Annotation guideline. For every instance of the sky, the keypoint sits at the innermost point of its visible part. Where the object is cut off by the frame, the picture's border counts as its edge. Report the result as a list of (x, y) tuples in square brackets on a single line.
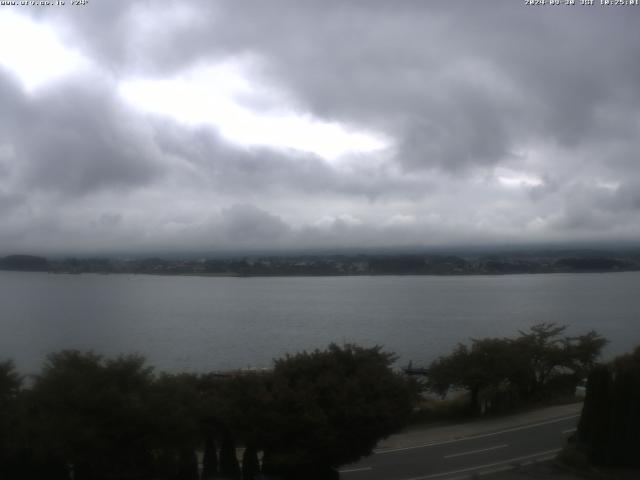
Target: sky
[(297, 124)]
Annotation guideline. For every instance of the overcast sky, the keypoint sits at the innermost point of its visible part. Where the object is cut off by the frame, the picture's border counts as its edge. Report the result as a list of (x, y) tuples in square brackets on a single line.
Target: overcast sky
[(181, 125)]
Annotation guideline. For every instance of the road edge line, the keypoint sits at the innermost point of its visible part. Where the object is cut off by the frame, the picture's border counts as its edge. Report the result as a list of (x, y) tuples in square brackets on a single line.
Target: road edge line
[(475, 436), (546, 455)]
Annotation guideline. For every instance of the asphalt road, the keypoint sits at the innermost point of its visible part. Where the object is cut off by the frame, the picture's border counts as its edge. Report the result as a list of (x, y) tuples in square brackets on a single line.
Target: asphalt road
[(460, 459)]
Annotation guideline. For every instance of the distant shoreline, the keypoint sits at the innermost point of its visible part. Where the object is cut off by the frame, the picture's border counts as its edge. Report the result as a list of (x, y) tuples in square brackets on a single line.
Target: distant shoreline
[(327, 275), (337, 265)]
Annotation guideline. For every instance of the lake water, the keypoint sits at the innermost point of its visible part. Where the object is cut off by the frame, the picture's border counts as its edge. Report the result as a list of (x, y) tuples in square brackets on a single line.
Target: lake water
[(202, 323)]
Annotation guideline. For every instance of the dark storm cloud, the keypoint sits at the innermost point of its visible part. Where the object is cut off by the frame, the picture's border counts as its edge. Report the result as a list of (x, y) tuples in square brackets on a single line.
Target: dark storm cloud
[(10, 201), (506, 122), (247, 224), (457, 85), (72, 140)]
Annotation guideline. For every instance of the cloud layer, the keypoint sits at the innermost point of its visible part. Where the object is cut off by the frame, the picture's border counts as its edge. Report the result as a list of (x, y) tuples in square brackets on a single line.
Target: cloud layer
[(282, 124)]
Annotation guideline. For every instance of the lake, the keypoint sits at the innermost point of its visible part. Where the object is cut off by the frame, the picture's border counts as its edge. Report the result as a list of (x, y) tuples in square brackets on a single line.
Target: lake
[(211, 323)]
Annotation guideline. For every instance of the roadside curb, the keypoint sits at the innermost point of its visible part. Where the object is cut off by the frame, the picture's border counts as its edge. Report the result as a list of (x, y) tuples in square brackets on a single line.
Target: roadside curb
[(429, 436)]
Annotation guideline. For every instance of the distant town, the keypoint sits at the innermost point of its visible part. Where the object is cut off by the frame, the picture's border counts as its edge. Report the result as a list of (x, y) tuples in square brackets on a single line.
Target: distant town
[(334, 265)]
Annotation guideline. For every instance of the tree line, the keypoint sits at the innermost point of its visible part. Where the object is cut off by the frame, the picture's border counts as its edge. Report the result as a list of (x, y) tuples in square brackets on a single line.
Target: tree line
[(501, 373), (88, 417), (340, 264)]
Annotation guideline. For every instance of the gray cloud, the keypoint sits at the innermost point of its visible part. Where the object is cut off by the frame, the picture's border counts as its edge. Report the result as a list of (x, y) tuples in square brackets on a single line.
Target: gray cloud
[(249, 225), (10, 201), (74, 141), (507, 123)]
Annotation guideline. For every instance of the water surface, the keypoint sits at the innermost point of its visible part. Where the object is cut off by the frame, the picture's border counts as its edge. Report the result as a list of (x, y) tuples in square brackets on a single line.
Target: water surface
[(201, 323)]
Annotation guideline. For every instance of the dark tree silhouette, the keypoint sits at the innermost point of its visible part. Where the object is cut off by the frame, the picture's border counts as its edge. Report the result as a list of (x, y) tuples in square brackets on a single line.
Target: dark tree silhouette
[(229, 466), (539, 363), (113, 418), (328, 408), (609, 428), (187, 465), (92, 413), (593, 428), (210, 458), (250, 463)]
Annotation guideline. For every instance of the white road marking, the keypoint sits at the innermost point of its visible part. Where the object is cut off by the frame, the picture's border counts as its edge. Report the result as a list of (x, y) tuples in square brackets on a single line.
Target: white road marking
[(471, 452), (350, 470), (473, 437), (488, 465), (569, 430)]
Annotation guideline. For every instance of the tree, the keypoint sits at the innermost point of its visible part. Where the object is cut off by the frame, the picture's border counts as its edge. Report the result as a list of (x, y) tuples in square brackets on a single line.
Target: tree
[(328, 408), (101, 418), (250, 463), (609, 427), (10, 449), (537, 363), (92, 413), (175, 403), (550, 356), (593, 427), (229, 467), (187, 465), (542, 347), (488, 363), (210, 458), (624, 441), (10, 382), (582, 352)]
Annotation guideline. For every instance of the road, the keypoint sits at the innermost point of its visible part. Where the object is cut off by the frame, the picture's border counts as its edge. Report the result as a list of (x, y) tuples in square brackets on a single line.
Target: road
[(461, 458)]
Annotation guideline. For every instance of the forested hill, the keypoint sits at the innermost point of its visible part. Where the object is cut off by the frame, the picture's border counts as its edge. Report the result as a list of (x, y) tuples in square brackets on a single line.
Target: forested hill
[(361, 264)]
